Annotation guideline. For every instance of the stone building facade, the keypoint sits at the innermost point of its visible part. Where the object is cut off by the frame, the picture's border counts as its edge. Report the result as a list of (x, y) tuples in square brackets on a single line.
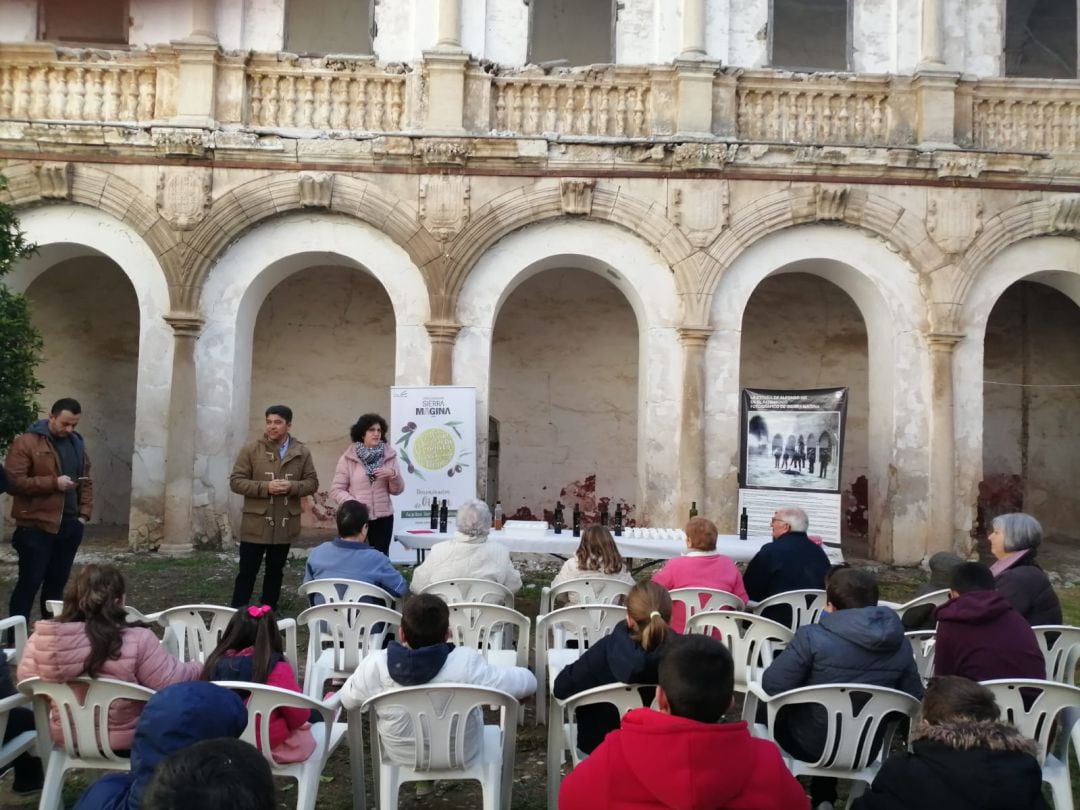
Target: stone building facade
[(608, 218)]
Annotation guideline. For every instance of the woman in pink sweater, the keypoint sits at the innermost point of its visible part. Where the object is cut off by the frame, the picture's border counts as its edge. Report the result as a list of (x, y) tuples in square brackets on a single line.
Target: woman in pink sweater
[(91, 638), (368, 472), (701, 567)]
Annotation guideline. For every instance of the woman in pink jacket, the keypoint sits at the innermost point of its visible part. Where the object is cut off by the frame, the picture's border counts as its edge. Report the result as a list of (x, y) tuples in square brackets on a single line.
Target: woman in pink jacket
[(91, 638), (368, 472)]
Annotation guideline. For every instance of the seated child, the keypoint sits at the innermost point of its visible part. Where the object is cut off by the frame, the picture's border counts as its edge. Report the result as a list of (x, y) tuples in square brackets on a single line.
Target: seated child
[(629, 654), (962, 758), (701, 567), (856, 641), (222, 774), (251, 649), (596, 555), (683, 755), (425, 656)]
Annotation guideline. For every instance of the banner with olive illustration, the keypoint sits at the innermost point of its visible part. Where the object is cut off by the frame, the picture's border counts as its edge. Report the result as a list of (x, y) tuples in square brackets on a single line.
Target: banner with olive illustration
[(433, 430)]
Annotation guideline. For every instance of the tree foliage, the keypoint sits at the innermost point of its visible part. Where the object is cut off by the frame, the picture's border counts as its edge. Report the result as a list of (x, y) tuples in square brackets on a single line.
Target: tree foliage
[(20, 342)]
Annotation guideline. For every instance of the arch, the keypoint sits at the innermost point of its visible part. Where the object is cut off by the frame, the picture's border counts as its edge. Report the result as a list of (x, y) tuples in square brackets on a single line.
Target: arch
[(242, 209), (1050, 260), (65, 231), (642, 276), (887, 292), (234, 292)]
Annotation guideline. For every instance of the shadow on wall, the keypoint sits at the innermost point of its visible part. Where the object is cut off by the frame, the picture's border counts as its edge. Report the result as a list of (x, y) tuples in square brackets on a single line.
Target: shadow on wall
[(998, 495)]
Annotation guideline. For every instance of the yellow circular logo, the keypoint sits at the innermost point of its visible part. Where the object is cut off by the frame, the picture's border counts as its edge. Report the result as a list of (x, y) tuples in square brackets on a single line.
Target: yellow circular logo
[(433, 449)]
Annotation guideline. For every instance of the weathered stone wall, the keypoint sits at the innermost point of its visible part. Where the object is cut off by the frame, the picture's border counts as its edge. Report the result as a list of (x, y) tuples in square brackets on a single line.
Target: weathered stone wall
[(88, 315)]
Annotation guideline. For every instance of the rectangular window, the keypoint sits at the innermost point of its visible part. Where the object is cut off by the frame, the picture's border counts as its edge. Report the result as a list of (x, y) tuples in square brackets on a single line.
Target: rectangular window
[(318, 27), (578, 32), (809, 34), (1040, 38), (100, 22)]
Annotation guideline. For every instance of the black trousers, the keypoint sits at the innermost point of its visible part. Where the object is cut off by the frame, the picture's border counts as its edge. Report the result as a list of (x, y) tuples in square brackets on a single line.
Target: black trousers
[(28, 772), (251, 557), (45, 562), (380, 533)]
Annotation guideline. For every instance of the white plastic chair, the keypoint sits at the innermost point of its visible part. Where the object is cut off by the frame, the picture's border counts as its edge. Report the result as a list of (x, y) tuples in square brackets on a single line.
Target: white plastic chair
[(347, 590), (857, 714), (133, 615), (923, 643), (562, 726), (699, 600), (193, 631), (489, 629), (752, 640), (595, 590), (1060, 644), (471, 590), (83, 706), (806, 606), (22, 743), (17, 626), (933, 598), (351, 632), (438, 715), (261, 701), (584, 623), (1047, 712)]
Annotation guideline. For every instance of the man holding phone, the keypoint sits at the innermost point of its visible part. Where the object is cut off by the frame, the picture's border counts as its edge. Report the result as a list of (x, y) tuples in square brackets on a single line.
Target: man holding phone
[(48, 472)]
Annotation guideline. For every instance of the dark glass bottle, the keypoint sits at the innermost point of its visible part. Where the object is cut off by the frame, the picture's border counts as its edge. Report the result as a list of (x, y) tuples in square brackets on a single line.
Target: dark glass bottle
[(559, 520), (434, 514), (603, 513), (693, 509), (444, 516), (618, 520), (577, 520), (744, 524)]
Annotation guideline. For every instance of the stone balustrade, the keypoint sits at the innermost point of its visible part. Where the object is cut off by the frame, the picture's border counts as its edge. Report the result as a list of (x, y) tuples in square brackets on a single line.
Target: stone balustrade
[(42, 83), (323, 94), (1023, 115)]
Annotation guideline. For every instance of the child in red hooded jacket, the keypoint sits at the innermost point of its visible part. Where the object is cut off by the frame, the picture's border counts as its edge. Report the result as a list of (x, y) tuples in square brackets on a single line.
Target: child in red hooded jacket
[(683, 756)]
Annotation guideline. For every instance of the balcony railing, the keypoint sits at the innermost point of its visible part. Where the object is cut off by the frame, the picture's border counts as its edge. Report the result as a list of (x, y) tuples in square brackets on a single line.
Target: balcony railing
[(1024, 115)]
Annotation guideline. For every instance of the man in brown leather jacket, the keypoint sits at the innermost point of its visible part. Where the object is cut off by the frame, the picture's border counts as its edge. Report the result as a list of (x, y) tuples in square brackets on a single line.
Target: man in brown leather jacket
[(48, 471), (272, 473)]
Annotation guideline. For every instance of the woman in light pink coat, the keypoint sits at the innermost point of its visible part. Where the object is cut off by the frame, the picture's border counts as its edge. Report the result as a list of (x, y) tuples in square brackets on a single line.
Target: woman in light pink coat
[(368, 472), (91, 638)]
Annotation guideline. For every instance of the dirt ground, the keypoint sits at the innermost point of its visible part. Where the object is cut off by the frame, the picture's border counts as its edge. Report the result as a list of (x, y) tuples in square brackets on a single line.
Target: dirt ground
[(155, 582)]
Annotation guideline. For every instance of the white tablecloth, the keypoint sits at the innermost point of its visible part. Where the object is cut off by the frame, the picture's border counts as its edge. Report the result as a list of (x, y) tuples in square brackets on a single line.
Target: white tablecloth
[(634, 543)]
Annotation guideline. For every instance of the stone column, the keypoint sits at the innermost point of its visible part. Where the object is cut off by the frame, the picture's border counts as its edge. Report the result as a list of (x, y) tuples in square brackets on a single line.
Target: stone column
[(180, 445), (693, 29), (692, 424), (443, 335), (449, 31), (932, 37), (942, 442)]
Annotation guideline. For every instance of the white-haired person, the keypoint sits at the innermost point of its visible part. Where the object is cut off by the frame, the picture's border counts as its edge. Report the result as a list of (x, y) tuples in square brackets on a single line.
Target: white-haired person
[(468, 555), (791, 562), (1014, 541)]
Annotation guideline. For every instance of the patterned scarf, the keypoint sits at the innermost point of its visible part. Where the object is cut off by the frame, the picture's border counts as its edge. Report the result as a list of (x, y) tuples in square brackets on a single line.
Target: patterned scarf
[(370, 457)]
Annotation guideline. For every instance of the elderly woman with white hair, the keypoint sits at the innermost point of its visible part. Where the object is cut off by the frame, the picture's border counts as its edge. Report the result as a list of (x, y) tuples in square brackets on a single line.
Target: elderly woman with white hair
[(1014, 539), (468, 554)]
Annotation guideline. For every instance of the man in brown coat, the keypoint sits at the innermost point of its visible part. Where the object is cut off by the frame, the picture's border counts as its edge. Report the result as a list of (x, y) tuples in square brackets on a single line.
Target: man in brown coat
[(272, 473), (48, 471)]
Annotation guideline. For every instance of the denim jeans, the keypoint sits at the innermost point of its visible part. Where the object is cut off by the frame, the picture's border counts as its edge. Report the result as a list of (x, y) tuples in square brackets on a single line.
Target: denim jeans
[(45, 562)]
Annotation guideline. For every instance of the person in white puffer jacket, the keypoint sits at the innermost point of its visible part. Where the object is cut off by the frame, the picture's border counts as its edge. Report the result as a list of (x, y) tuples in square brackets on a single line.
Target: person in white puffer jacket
[(468, 555), (424, 656)]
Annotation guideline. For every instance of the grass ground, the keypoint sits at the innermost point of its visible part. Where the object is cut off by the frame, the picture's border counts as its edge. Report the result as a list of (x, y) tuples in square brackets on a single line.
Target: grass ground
[(155, 582)]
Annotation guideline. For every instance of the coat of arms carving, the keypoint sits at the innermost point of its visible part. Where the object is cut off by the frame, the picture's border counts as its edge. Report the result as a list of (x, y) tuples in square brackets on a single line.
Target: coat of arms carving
[(183, 196), (444, 205)]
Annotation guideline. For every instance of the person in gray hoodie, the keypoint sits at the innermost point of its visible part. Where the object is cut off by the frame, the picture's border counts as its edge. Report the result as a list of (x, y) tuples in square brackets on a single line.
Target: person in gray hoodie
[(856, 641)]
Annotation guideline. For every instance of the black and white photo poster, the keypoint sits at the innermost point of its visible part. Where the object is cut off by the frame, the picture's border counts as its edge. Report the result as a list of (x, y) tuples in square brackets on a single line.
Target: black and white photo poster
[(791, 453)]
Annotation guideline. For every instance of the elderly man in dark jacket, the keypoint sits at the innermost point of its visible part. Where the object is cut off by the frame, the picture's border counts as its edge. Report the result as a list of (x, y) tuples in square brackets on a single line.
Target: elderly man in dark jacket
[(857, 641), (979, 634)]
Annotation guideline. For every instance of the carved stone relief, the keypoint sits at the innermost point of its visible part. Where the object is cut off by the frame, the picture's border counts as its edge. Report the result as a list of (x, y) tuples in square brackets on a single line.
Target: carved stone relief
[(831, 201), (183, 196), (54, 180), (445, 152), (702, 212), (575, 196), (316, 189), (953, 218), (1065, 215), (444, 206)]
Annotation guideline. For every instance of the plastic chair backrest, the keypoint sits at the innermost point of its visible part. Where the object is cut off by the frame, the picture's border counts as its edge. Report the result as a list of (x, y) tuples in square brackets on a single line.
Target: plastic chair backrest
[(623, 696), (471, 590), (857, 716), (261, 702), (922, 647), (17, 625), (132, 615), (352, 628), (699, 600), (752, 640), (347, 590), (1061, 647), (438, 715), (83, 708), (594, 590), (1035, 707), (481, 627), (193, 631), (934, 598), (586, 624), (806, 605)]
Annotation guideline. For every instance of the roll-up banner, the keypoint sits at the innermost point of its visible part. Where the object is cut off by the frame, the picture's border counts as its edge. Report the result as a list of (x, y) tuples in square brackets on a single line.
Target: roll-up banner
[(791, 454), (433, 430)]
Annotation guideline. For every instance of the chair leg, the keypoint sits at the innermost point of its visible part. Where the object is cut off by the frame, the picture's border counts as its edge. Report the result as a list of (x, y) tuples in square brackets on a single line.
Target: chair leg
[(53, 789), (491, 792), (388, 791), (554, 753), (307, 790)]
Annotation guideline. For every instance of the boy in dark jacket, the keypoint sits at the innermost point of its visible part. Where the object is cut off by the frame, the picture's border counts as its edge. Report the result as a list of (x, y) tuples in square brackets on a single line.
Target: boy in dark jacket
[(683, 755), (979, 634), (856, 641), (961, 758)]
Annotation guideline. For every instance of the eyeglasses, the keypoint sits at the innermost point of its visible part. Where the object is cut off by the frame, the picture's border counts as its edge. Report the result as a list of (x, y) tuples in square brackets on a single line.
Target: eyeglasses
[(777, 520)]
